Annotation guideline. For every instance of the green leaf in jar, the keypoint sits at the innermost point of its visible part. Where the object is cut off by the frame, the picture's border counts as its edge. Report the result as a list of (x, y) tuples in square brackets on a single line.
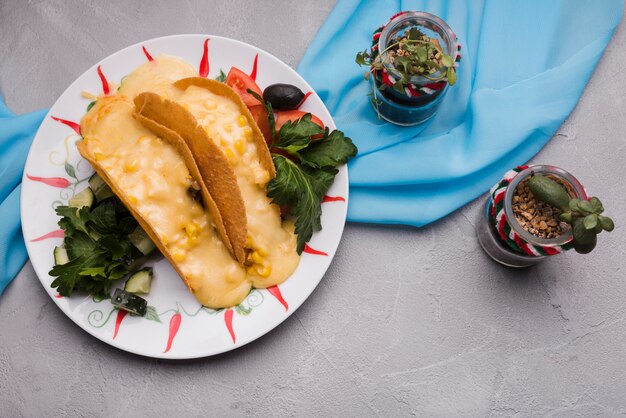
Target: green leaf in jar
[(585, 206), (451, 75), (597, 205), (606, 222), (590, 221)]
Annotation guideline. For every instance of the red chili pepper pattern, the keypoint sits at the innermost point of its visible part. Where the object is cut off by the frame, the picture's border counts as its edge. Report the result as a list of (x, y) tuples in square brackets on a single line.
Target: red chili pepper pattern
[(59, 233), (275, 291), (306, 96), (311, 250), (333, 199), (228, 319), (118, 321), (103, 80), (147, 54), (174, 326), (204, 61), (75, 126), (254, 67), (51, 181)]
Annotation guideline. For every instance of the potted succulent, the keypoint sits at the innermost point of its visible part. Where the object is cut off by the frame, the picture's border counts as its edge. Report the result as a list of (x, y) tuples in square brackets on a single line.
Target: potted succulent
[(412, 61), (539, 211)]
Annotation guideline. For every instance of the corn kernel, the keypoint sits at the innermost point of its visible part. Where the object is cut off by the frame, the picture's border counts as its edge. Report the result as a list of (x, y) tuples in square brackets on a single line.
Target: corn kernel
[(264, 271), (262, 251), (210, 104), (256, 257), (131, 167), (242, 121), (239, 146), (230, 155), (248, 242), (247, 131), (192, 230), (251, 270), (178, 256), (164, 239), (98, 156), (132, 199), (228, 127)]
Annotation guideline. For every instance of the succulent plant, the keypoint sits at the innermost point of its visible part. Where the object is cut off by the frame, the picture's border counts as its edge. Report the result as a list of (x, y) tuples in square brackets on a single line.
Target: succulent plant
[(585, 216)]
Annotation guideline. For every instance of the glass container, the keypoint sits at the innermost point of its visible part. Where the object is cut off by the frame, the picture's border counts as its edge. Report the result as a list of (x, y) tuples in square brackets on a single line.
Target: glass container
[(399, 108), (494, 245)]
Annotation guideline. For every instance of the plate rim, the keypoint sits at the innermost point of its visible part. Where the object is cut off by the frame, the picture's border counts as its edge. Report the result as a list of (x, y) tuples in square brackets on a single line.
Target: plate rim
[(208, 353)]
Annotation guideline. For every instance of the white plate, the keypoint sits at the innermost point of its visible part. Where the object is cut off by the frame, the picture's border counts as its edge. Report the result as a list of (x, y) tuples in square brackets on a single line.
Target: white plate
[(54, 172)]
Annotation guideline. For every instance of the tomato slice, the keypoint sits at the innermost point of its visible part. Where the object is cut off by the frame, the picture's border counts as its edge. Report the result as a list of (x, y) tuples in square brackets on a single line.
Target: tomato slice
[(241, 82), (292, 115), (259, 113)]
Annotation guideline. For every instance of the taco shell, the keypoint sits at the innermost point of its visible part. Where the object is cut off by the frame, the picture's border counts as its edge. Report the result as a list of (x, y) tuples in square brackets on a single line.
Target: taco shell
[(149, 172)]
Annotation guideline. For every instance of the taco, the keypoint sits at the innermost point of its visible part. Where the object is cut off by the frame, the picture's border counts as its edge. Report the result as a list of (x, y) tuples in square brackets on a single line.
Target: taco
[(271, 243), (155, 176)]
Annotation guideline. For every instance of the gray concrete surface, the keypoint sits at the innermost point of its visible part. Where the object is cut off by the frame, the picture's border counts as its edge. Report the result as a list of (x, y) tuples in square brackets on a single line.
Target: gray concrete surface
[(406, 322)]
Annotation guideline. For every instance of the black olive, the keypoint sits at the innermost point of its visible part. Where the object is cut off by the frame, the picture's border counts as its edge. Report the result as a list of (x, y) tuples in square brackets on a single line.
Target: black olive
[(283, 96)]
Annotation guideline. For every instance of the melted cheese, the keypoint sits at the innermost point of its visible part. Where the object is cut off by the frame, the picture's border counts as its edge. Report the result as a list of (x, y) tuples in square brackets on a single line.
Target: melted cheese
[(157, 76), (274, 242), (154, 179)]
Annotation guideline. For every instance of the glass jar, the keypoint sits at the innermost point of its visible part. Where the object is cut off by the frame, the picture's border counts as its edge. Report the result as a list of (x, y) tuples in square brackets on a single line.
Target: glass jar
[(491, 241), (399, 108)]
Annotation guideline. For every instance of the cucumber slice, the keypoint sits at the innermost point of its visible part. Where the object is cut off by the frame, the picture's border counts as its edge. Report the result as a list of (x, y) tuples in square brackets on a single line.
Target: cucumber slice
[(60, 256), (127, 301), (141, 241), (140, 281), (100, 188), (94, 234), (84, 198)]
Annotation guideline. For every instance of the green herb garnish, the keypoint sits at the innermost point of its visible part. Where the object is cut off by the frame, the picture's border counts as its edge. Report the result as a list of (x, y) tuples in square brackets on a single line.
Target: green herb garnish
[(302, 181), (98, 247), (302, 184)]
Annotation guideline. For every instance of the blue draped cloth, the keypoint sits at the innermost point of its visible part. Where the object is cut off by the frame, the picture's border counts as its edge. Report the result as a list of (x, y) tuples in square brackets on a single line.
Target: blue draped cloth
[(16, 134), (524, 66)]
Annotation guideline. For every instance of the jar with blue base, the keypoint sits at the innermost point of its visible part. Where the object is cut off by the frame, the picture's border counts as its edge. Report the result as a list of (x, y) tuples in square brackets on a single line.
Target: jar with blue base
[(413, 62)]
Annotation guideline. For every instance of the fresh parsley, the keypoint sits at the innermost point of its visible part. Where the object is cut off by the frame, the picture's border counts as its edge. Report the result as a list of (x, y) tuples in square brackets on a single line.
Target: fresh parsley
[(98, 248), (302, 180)]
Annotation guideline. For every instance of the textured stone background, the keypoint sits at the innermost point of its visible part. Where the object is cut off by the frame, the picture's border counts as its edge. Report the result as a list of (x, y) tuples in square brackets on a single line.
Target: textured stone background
[(405, 322)]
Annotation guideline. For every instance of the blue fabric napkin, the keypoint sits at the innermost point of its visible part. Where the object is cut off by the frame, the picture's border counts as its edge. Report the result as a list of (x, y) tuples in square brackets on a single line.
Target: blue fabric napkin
[(524, 65), (16, 134)]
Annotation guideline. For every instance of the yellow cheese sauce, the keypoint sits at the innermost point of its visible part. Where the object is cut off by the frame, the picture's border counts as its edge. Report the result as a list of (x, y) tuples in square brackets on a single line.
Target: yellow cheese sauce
[(153, 178), (157, 76), (273, 257)]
